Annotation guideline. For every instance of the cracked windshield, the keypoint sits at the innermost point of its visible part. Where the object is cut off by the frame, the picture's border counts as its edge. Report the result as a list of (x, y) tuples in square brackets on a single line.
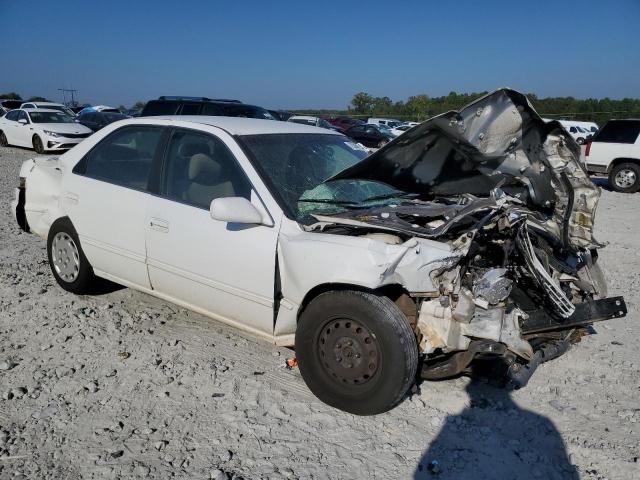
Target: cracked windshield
[(297, 167)]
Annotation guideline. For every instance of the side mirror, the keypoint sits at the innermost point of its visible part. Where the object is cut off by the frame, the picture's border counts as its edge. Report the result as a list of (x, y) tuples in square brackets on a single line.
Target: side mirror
[(235, 210), (23, 121)]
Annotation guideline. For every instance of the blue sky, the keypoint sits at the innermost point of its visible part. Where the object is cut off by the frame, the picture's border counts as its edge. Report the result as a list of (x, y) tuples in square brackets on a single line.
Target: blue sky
[(297, 54)]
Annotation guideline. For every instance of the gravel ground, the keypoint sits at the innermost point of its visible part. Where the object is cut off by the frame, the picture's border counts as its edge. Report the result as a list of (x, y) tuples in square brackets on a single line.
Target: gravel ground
[(123, 385)]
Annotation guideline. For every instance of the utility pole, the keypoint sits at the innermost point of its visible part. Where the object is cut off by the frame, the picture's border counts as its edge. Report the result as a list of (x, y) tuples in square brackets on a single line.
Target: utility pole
[(72, 91)]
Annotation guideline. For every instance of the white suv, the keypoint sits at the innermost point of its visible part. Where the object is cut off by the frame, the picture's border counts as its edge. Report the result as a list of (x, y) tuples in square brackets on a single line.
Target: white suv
[(615, 151)]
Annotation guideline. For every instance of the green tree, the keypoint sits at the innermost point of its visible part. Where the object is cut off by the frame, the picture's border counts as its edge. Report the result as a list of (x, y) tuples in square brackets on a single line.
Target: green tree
[(362, 102), (139, 105), (37, 99), (10, 96), (418, 106)]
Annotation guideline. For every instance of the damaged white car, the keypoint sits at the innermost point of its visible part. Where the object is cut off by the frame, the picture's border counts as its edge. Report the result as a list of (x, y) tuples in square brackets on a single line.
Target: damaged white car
[(468, 238)]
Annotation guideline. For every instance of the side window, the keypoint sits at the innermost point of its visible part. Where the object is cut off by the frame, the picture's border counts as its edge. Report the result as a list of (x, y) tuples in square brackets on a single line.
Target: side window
[(23, 116), (619, 131), (190, 109), (572, 129), (200, 168), (124, 157), (12, 115)]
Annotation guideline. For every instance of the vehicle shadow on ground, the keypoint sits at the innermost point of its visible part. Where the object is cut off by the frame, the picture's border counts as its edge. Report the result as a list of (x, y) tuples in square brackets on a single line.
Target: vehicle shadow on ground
[(602, 182), (493, 438)]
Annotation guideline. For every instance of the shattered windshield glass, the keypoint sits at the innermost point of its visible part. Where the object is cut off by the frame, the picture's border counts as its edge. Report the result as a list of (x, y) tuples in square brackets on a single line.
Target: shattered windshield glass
[(297, 165)]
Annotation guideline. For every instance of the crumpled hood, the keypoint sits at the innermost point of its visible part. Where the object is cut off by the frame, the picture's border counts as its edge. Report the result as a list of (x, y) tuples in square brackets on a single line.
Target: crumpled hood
[(496, 141)]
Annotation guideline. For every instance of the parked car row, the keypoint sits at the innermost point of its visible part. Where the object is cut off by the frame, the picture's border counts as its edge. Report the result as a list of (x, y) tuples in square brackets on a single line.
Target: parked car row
[(47, 126)]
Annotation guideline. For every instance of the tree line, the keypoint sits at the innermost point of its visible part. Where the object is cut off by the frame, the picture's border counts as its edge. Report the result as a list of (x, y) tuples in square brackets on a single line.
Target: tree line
[(421, 107)]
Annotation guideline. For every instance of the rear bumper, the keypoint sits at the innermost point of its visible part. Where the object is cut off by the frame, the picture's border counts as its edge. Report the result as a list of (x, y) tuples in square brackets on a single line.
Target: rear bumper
[(17, 209)]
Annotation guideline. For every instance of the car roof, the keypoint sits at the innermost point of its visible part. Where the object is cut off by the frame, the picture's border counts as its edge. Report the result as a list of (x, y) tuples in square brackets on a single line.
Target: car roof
[(303, 117), (44, 103), (41, 110), (240, 125)]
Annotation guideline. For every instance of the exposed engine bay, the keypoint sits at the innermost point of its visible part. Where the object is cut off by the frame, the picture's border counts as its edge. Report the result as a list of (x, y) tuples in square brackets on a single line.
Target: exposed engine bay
[(508, 194)]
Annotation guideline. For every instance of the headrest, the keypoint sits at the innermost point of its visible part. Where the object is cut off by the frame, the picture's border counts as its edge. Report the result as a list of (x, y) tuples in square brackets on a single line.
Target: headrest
[(204, 170), (187, 150)]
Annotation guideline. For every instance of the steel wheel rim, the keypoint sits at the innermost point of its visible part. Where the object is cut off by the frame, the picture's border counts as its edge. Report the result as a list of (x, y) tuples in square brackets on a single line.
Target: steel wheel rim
[(625, 178), (65, 257), (349, 352)]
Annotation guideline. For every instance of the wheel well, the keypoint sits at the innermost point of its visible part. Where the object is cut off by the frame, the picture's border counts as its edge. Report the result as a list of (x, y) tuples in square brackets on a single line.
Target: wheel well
[(618, 161), (395, 292)]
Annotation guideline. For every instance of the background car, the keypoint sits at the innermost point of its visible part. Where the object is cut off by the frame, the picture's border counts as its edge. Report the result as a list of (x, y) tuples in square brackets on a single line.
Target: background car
[(166, 105), (99, 108), (345, 123), (96, 120), (41, 129), (369, 135), (48, 105), (615, 151), (7, 105), (389, 122), (313, 121)]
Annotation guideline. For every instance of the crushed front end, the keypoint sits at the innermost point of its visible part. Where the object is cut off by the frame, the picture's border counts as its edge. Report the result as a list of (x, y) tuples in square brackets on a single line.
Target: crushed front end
[(508, 194)]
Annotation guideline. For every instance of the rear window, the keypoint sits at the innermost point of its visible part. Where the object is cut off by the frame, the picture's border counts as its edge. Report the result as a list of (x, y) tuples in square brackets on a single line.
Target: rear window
[(156, 107), (618, 131)]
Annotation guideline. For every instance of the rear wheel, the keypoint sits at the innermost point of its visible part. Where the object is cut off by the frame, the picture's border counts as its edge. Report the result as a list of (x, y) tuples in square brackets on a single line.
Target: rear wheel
[(3, 140), (580, 141), (382, 143), (37, 144), (356, 351), (625, 177), (68, 263)]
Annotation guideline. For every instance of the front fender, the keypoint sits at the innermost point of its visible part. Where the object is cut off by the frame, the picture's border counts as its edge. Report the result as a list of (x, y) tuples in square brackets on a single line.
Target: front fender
[(307, 260)]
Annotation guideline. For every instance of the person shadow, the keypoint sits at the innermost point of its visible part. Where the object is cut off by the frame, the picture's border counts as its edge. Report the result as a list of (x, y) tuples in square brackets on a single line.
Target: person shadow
[(493, 438)]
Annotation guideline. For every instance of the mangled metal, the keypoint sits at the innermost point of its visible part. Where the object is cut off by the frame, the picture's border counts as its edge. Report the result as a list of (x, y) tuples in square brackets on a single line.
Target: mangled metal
[(507, 193)]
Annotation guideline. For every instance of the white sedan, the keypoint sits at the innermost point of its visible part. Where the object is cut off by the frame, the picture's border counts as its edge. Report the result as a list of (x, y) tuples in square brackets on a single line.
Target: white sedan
[(421, 252), (40, 129)]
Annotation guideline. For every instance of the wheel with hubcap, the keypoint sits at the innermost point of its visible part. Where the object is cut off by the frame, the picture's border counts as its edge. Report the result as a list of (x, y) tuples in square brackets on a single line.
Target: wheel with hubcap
[(3, 140), (37, 144), (356, 351), (580, 141), (382, 143), (625, 177), (68, 263)]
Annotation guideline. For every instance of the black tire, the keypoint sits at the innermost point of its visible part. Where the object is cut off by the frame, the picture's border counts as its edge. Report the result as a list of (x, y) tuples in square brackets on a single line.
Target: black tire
[(580, 141), (382, 143), (82, 280), (625, 177), (37, 144), (335, 370), (3, 140)]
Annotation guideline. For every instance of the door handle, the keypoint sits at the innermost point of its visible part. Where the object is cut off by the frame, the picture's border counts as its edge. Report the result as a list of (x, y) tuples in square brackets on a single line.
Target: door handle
[(159, 225)]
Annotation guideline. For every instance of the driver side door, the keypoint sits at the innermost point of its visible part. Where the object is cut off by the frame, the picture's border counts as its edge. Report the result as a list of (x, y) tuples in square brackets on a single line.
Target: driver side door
[(225, 270)]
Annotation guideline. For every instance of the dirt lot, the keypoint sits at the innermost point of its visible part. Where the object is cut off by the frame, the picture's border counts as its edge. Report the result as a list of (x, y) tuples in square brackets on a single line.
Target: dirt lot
[(123, 385)]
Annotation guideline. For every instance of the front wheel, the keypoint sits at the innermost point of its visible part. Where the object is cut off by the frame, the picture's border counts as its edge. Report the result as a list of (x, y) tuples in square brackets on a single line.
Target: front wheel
[(382, 143), (68, 263), (625, 177), (37, 144), (580, 141), (356, 351), (3, 140)]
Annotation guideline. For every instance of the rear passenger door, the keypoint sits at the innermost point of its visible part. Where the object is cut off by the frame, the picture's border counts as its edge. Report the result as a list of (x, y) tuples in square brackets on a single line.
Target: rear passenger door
[(222, 269), (107, 198)]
